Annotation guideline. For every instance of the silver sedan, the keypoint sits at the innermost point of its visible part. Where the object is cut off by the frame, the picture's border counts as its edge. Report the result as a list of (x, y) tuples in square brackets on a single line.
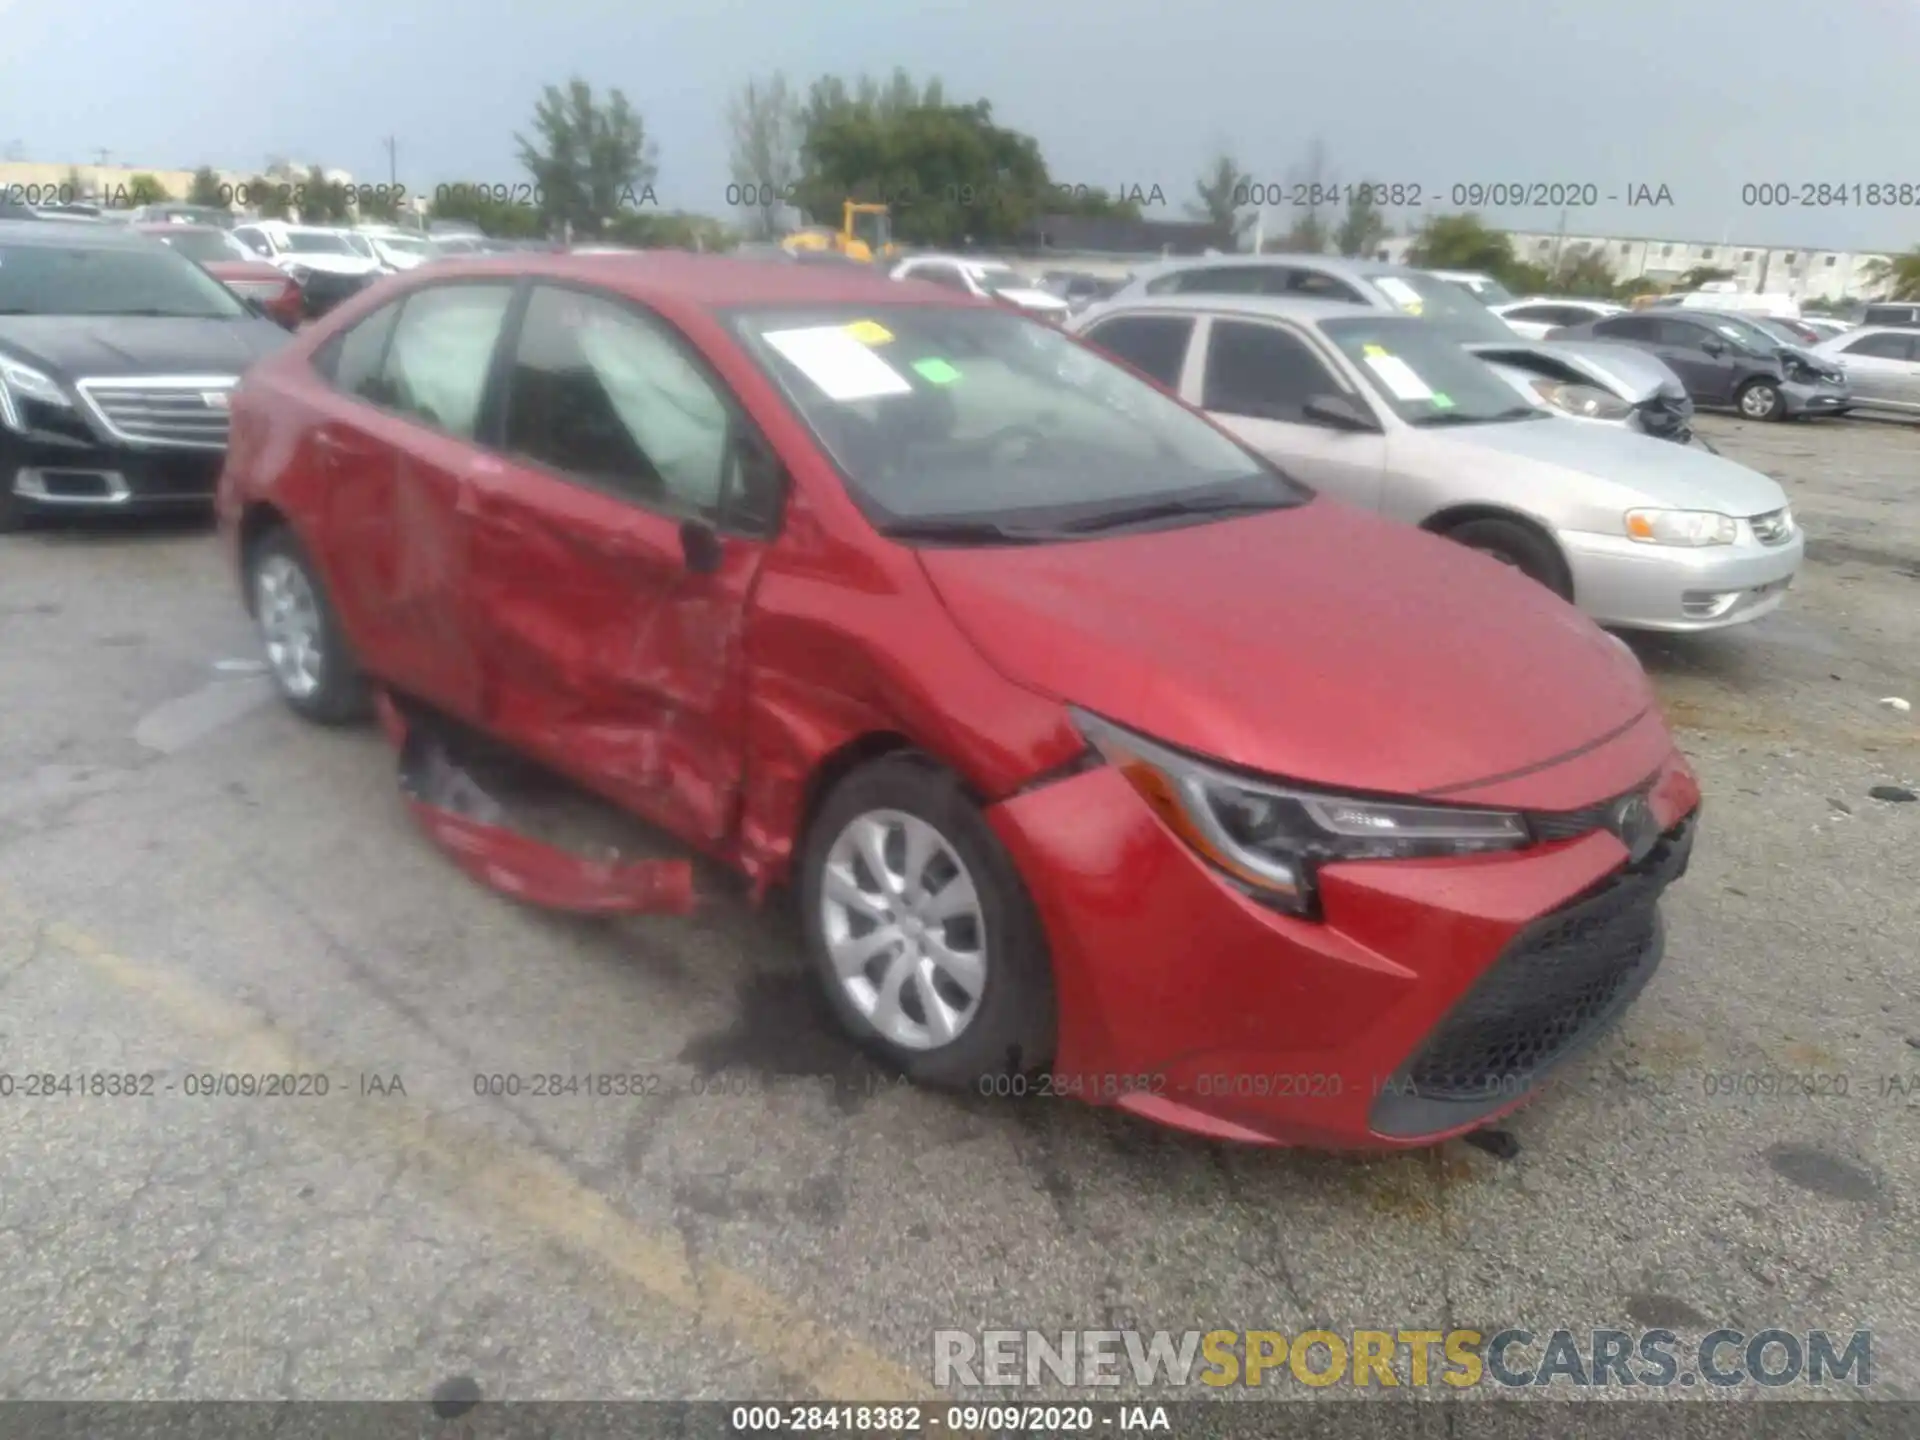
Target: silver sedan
[(1882, 365), (1386, 412)]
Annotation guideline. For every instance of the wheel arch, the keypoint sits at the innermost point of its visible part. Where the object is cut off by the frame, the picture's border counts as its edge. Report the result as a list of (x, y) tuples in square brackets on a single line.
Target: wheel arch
[(1451, 517), (259, 520)]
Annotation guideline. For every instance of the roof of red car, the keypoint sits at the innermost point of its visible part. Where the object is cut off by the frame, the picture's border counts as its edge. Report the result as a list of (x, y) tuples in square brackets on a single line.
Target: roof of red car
[(714, 280)]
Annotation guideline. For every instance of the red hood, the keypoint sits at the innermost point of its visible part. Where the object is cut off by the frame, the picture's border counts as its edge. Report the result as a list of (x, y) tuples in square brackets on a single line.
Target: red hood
[(1320, 643)]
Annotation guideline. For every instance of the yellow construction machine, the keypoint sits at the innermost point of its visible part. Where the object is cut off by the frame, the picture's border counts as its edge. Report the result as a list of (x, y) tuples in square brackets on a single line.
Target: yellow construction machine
[(865, 233)]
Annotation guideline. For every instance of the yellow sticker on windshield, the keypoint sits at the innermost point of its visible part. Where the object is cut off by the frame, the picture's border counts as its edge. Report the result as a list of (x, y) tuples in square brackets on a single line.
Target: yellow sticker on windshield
[(868, 332), (1413, 307), (1371, 350)]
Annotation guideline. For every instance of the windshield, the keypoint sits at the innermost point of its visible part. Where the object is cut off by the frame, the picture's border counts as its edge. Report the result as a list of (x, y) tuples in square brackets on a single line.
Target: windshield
[(319, 242), (872, 227), (73, 279), (1444, 303), (1779, 332), (405, 245), (960, 415), (204, 247), (1487, 291), (1424, 377), (1747, 334), (998, 280)]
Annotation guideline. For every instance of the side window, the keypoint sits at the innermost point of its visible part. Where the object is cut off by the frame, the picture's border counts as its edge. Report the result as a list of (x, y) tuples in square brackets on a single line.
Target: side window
[(1882, 347), (1539, 314), (1629, 327), (255, 242), (1263, 373), (946, 275), (1314, 285), (1223, 280), (1682, 336), (610, 398), (442, 348), (352, 359), (1155, 345)]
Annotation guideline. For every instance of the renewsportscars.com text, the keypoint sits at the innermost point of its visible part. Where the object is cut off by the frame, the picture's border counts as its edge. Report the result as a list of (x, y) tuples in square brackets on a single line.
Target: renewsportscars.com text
[(1459, 1359)]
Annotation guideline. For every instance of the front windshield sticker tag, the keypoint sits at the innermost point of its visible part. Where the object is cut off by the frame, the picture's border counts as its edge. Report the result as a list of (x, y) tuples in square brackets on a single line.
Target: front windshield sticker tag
[(838, 364), (1371, 350), (1442, 402), (869, 332), (1398, 377), (1401, 293), (938, 371)]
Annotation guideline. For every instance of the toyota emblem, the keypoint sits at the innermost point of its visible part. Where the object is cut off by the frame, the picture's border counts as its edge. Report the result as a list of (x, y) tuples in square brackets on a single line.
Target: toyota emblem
[(1634, 823)]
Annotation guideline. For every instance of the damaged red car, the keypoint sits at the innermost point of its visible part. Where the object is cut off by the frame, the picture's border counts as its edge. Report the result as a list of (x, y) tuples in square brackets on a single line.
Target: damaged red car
[(1104, 759)]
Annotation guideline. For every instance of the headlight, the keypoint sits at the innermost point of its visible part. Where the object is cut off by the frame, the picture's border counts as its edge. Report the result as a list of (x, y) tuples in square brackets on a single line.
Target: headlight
[(28, 384), (1588, 402), (1271, 838), (1681, 527), (300, 273)]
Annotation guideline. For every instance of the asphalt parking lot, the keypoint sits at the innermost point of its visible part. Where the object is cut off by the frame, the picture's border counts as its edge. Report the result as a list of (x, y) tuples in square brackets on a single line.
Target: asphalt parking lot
[(193, 881)]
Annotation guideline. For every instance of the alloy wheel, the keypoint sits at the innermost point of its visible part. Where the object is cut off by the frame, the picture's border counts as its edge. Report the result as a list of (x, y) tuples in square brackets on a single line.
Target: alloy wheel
[(1758, 402), (904, 928), (289, 617)]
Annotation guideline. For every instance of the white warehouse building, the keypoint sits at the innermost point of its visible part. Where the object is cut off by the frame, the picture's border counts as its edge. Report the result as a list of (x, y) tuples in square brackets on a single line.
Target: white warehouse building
[(1804, 274)]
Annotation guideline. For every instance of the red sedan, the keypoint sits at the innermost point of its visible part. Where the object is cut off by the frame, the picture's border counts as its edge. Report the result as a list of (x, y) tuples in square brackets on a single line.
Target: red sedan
[(229, 262), (1106, 761)]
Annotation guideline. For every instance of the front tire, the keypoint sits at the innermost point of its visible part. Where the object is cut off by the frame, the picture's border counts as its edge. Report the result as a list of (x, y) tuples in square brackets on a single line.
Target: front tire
[(920, 930), (1761, 400), (1520, 546), (307, 651)]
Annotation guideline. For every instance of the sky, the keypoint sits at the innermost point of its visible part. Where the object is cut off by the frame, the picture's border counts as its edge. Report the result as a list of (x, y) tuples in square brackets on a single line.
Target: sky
[(1703, 97)]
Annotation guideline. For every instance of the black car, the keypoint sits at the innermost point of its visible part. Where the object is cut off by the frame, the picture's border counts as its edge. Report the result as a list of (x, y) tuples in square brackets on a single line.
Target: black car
[(117, 355), (1727, 361)]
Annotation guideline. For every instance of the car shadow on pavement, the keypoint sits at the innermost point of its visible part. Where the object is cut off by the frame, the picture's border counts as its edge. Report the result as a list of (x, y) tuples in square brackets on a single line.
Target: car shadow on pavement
[(103, 527)]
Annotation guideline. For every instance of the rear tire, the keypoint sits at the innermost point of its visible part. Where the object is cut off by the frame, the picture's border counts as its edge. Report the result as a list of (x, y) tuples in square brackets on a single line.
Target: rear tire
[(307, 651), (1008, 1023), (1520, 546), (1761, 400)]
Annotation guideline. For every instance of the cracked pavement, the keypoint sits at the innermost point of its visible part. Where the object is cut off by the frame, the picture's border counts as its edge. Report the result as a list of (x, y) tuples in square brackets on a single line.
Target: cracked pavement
[(193, 882)]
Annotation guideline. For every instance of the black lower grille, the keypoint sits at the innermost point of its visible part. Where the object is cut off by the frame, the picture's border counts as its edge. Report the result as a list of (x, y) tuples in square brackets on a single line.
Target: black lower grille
[(1557, 985)]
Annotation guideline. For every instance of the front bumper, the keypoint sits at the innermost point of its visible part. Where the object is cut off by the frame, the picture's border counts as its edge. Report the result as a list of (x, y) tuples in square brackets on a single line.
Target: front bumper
[(1635, 586), (58, 478), (1185, 1002), (1822, 398)]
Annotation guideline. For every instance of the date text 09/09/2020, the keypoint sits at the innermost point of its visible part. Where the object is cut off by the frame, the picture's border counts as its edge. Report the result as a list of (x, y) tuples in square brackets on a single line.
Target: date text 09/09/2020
[(527, 195)]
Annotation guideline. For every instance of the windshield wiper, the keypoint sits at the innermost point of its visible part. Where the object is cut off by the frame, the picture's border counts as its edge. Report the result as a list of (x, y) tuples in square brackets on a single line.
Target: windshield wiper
[(967, 532), (1461, 417), (1174, 509)]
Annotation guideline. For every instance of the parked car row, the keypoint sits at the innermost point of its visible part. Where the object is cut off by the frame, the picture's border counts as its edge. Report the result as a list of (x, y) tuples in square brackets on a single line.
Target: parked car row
[(1089, 737)]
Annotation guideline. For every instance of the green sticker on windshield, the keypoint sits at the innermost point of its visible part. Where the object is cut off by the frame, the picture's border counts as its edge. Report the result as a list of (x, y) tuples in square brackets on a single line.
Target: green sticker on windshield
[(1442, 402), (938, 371)]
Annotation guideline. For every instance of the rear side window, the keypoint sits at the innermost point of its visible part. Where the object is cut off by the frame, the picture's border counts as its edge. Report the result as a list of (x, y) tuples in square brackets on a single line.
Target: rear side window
[(352, 359), (441, 352), (1222, 280), (608, 397), (1629, 327), (1882, 347), (1154, 345), (1891, 315)]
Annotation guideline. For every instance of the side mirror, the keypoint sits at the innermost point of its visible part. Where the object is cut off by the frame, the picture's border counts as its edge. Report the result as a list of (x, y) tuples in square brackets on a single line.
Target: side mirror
[(1714, 348), (700, 544), (1338, 412)]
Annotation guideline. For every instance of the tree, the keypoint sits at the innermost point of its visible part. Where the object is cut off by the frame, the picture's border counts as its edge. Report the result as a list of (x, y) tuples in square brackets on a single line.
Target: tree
[(1585, 272), (1628, 290), (1363, 227), (1461, 242), (270, 199), (765, 120), (502, 219), (73, 187), (378, 203), (207, 189), (1307, 234), (592, 162), (1900, 275), (322, 201), (1702, 275), (1220, 197), (145, 189)]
